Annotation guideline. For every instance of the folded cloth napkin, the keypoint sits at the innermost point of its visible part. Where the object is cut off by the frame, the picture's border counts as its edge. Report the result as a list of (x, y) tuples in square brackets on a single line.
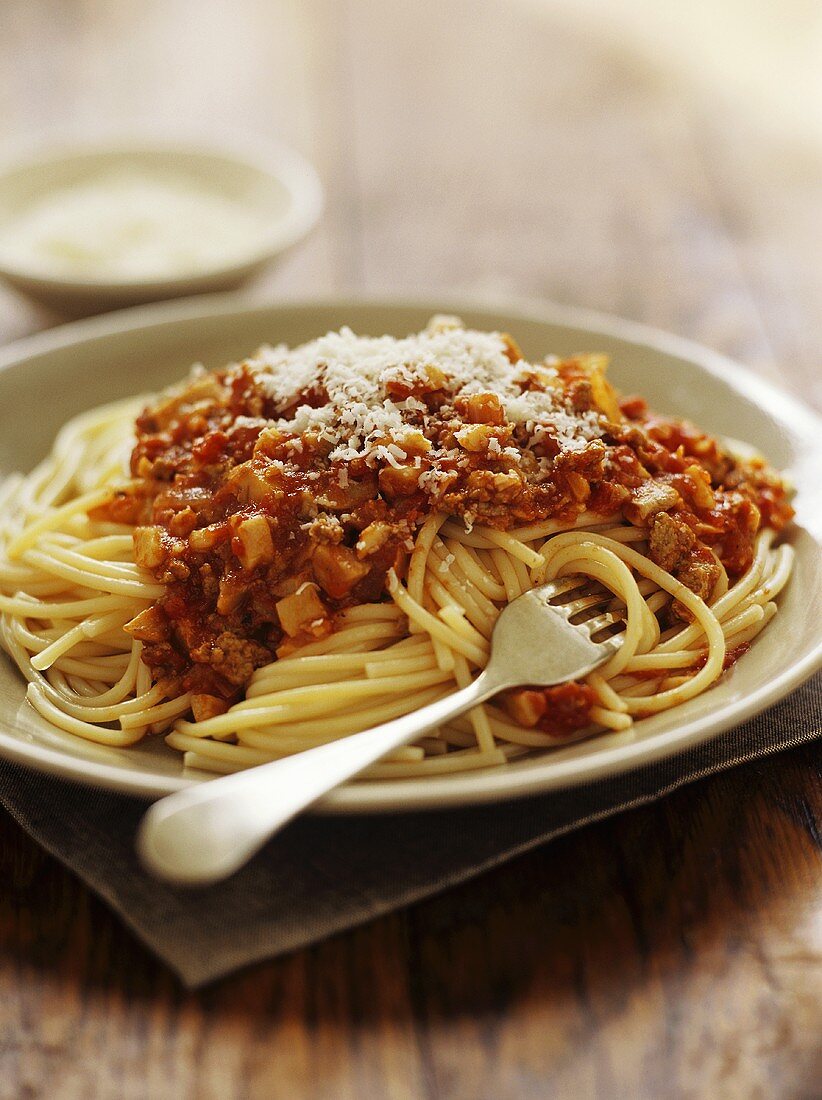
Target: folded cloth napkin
[(325, 874)]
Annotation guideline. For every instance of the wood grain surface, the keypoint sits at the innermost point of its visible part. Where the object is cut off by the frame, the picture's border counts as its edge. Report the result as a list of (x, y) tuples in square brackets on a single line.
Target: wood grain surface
[(499, 149)]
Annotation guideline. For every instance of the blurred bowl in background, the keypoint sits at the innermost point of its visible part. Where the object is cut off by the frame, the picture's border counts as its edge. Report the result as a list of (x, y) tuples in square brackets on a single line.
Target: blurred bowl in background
[(90, 228)]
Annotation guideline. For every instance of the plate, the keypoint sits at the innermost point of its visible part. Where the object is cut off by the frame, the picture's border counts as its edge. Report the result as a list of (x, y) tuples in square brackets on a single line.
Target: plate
[(48, 378)]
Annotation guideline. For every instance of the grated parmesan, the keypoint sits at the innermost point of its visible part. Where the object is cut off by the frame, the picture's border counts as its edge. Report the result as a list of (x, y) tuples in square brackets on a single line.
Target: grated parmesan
[(360, 418), (446, 563)]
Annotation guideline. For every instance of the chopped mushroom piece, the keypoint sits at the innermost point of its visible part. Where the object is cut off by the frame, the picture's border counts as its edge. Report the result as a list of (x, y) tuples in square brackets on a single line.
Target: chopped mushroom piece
[(149, 551), (299, 610), (399, 481), (205, 538), (373, 537), (526, 706), (252, 543), (337, 569), (702, 493), (150, 625), (205, 706), (649, 498), (481, 408), (475, 437)]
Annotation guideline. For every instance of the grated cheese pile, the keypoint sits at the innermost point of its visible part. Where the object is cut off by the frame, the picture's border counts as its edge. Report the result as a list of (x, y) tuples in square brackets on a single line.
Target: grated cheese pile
[(360, 419)]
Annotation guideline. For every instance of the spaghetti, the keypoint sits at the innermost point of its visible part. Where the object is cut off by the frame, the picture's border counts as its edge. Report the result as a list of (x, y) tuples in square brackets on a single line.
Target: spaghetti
[(319, 540)]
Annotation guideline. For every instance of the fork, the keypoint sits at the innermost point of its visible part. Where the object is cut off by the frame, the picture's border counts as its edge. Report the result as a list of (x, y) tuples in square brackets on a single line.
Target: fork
[(207, 831)]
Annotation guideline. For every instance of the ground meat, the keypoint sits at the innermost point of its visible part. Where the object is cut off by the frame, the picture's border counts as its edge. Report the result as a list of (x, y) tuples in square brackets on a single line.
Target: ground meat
[(699, 576), (234, 658), (559, 710), (568, 708), (234, 511), (670, 542)]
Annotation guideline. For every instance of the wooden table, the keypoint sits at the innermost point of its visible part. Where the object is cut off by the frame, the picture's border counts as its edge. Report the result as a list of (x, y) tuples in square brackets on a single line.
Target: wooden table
[(500, 149)]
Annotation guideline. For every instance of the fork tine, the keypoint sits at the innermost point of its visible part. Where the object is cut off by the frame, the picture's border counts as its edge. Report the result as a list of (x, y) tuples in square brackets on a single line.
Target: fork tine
[(600, 622), (563, 585), (585, 603)]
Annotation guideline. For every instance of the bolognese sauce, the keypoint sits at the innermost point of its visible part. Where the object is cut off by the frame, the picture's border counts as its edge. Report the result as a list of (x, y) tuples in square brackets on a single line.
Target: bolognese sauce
[(270, 495)]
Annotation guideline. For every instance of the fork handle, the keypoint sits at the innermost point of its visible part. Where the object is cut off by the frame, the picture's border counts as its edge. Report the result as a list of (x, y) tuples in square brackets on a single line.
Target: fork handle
[(207, 831)]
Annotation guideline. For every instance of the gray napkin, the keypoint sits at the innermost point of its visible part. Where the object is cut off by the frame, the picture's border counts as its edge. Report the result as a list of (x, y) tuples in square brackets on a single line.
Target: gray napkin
[(323, 875)]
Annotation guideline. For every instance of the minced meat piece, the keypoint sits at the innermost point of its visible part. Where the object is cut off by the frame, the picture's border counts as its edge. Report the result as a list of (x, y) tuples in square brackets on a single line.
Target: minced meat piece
[(670, 541)]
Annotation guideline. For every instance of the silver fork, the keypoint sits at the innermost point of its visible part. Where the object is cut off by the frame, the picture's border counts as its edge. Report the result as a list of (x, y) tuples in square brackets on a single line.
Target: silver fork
[(207, 831)]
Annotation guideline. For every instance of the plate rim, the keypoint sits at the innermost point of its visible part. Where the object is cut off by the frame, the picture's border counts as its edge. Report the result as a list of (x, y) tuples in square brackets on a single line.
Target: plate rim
[(385, 796)]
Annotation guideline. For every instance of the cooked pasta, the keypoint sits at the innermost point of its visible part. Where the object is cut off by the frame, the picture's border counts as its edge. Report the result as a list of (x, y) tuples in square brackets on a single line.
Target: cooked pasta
[(316, 541)]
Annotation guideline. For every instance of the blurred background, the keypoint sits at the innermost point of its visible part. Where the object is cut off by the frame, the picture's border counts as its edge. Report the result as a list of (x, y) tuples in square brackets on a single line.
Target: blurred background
[(658, 161)]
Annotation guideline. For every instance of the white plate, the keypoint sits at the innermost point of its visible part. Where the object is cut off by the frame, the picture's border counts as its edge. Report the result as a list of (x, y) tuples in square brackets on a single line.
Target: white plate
[(49, 377)]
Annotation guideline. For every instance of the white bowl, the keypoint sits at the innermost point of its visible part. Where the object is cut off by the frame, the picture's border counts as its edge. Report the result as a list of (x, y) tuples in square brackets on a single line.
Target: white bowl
[(274, 184)]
